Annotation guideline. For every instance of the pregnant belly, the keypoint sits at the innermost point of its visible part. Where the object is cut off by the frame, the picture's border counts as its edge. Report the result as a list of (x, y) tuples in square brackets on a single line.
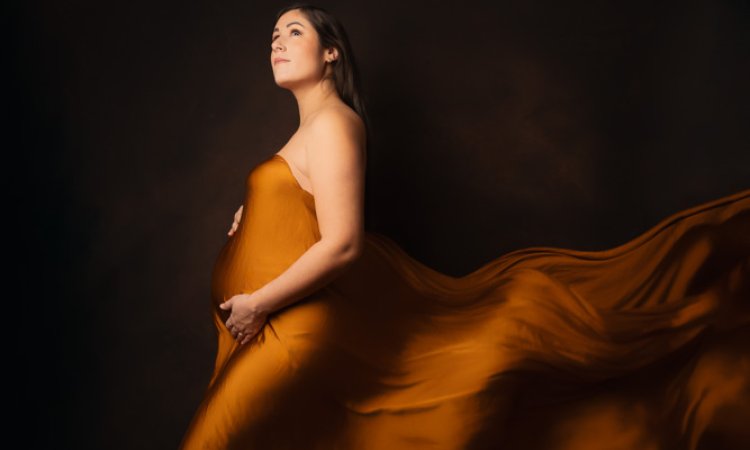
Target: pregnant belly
[(242, 267), (230, 275), (302, 326)]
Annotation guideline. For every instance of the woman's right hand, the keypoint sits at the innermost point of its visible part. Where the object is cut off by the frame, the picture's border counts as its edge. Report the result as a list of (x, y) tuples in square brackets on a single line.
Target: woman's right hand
[(236, 222)]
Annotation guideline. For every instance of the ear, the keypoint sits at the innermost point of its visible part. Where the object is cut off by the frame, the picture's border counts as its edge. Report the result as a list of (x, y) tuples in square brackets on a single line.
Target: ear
[(332, 53)]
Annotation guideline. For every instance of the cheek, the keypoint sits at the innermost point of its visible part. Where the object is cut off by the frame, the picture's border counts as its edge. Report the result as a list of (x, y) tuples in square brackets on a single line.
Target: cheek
[(310, 52), (308, 63)]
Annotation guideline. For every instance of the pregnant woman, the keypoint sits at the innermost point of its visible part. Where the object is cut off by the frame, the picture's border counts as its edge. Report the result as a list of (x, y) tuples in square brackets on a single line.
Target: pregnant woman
[(330, 337)]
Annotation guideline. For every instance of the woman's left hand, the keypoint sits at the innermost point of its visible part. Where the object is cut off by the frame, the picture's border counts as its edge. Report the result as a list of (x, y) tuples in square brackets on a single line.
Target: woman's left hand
[(246, 319)]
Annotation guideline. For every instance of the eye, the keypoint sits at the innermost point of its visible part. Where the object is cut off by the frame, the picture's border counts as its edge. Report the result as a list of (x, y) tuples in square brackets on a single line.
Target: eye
[(294, 30)]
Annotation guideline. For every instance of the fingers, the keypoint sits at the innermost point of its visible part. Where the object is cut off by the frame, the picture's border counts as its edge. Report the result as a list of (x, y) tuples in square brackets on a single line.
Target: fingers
[(241, 336), (237, 218), (237, 333)]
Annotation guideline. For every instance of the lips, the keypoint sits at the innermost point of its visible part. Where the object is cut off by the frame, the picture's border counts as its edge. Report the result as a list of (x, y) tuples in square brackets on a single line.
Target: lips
[(280, 60)]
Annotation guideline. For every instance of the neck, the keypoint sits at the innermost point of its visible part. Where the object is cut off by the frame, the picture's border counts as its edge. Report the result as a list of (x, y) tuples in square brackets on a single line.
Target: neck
[(315, 97)]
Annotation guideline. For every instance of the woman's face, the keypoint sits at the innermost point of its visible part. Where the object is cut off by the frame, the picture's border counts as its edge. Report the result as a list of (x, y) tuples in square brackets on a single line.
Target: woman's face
[(296, 55)]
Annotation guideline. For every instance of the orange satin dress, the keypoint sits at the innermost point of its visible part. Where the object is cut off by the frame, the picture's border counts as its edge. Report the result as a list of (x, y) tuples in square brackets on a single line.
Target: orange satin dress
[(641, 346)]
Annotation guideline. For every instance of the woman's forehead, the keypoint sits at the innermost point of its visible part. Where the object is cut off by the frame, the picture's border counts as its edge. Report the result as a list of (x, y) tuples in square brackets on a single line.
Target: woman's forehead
[(290, 18)]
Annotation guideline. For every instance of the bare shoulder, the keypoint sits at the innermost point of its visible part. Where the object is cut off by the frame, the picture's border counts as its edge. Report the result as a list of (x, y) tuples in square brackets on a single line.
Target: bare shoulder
[(338, 125)]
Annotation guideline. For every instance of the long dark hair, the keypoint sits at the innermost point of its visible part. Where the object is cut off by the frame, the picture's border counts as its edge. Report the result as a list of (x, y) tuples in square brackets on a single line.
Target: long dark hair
[(345, 73)]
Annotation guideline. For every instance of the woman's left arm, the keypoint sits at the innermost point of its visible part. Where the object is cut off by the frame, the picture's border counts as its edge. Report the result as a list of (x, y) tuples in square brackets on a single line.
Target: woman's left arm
[(336, 164)]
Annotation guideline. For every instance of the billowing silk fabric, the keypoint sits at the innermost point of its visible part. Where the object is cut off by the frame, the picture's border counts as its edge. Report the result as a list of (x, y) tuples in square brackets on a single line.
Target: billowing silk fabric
[(641, 346)]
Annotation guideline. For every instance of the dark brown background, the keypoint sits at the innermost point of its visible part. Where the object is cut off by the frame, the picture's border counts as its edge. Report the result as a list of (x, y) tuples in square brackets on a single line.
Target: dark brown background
[(496, 125)]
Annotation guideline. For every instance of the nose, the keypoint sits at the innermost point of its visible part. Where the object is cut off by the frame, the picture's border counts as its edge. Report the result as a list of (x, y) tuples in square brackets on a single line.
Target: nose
[(276, 45)]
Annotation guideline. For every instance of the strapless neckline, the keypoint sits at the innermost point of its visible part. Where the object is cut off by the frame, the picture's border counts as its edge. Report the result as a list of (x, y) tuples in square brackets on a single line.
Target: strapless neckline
[(291, 174)]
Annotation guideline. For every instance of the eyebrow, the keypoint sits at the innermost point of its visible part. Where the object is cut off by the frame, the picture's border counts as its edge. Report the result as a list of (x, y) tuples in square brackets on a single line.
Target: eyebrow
[(290, 24)]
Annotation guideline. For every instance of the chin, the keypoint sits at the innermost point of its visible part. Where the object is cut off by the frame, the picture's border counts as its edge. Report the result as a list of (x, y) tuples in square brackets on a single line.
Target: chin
[(288, 83)]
